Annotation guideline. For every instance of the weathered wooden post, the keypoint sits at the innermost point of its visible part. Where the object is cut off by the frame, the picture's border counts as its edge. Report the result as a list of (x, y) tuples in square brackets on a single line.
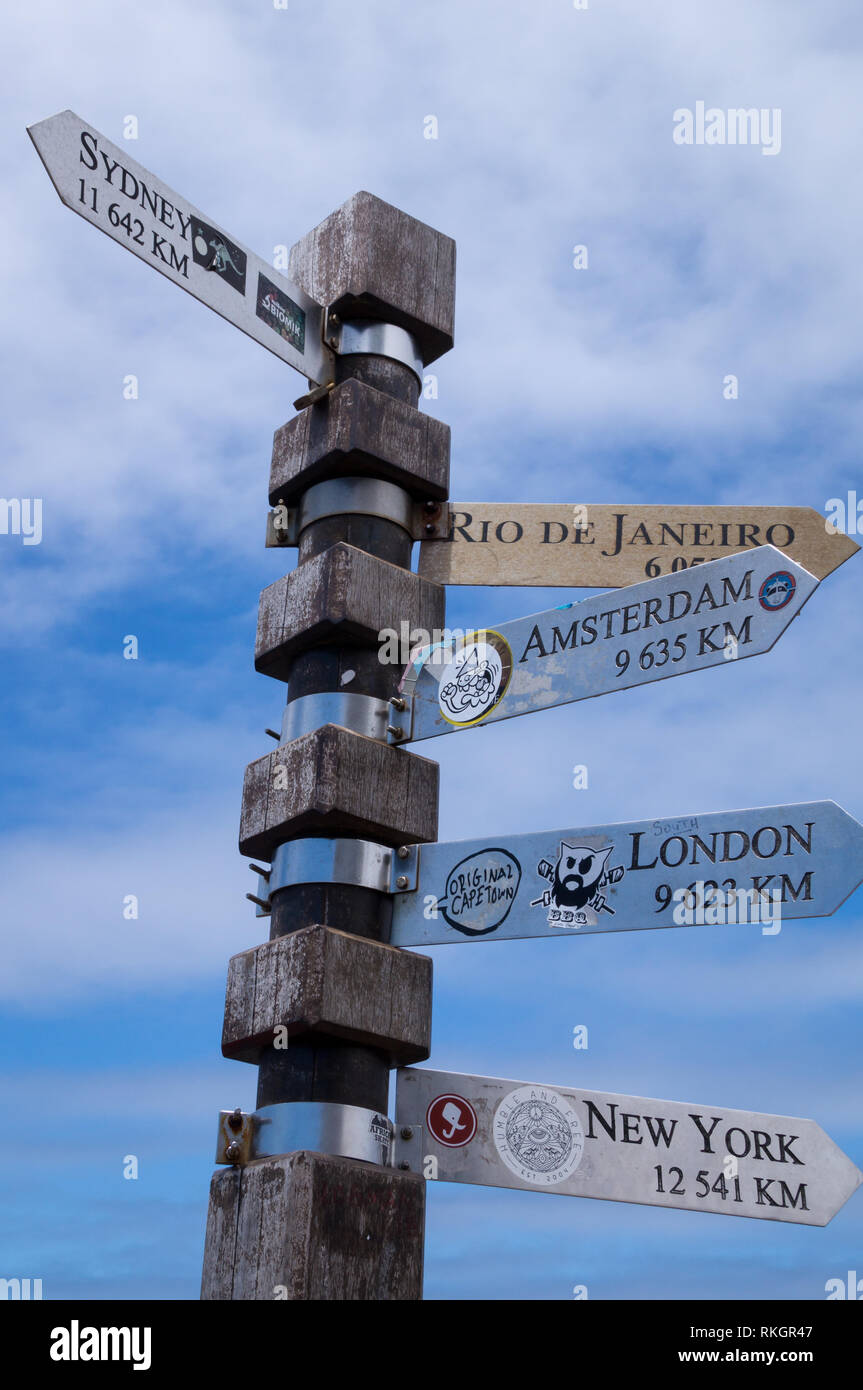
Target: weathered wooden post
[(326, 1007)]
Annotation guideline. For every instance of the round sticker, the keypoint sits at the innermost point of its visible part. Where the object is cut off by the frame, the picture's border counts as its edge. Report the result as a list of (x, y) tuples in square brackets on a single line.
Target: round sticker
[(475, 681), (538, 1135), (777, 590), (451, 1120)]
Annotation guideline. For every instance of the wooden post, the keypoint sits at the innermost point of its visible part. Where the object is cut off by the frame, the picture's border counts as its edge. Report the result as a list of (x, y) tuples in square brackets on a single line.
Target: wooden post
[(308, 1225)]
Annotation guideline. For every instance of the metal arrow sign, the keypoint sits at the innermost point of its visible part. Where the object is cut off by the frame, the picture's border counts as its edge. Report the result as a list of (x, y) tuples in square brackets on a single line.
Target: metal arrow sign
[(597, 546), (480, 1129), (102, 184), (760, 865), (709, 616)]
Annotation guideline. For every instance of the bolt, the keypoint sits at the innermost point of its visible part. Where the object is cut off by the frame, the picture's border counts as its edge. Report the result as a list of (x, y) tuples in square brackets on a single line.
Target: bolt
[(405, 1167), (394, 730), (402, 881), (397, 702), (232, 1152), (403, 851), (235, 1119), (431, 507), (407, 1132), (429, 528)]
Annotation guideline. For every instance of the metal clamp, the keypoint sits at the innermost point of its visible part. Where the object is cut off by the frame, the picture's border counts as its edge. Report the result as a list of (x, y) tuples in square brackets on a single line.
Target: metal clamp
[(234, 1137), (347, 1131), (357, 497), (358, 863), (372, 338), (362, 714)]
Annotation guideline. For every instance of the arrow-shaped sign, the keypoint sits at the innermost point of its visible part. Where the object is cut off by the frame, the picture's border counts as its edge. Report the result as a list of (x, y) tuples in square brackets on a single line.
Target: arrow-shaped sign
[(708, 616), (762, 865), (598, 546), (102, 184), (480, 1129)]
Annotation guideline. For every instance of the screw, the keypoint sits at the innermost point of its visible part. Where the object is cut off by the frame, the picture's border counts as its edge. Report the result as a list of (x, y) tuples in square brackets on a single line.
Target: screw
[(407, 1132), (402, 881), (394, 730), (397, 702), (403, 851)]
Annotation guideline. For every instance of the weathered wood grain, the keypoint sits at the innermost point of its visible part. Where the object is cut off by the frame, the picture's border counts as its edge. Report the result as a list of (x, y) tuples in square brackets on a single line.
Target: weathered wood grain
[(335, 780), (310, 1226), (369, 259), (341, 596), (323, 980), (356, 430)]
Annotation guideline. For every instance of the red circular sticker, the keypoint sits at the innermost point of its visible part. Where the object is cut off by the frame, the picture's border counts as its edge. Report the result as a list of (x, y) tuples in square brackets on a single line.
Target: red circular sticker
[(451, 1120)]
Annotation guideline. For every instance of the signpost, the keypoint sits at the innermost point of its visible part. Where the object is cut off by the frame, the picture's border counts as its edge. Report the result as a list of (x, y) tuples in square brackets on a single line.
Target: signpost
[(295, 1216), (600, 546), (480, 1129), (729, 608), (760, 865), (102, 184)]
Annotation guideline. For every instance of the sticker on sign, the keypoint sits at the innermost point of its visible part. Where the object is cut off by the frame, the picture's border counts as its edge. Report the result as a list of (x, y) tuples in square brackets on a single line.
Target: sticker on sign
[(707, 617), (759, 866), (102, 184), (582, 1143)]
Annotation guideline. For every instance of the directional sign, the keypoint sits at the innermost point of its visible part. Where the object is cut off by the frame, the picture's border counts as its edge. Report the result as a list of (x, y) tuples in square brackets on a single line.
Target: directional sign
[(684, 622), (621, 1148), (596, 546), (101, 183), (761, 865)]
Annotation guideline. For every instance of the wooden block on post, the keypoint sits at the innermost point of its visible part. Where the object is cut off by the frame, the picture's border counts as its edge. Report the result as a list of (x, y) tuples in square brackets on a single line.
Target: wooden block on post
[(334, 780), (357, 430), (370, 260), (313, 1227), (326, 981), (343, 595)]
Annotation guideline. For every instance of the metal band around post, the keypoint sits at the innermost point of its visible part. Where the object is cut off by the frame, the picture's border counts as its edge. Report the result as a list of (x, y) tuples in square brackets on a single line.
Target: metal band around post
[(369, 338), (347, 1131), (362, 714), (360, 496), (361, 863)]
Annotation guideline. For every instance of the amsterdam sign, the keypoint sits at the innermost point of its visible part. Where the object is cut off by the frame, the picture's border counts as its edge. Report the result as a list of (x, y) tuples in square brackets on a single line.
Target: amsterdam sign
[(760, 865), (102, 184), (480, 1129), (598, 546), (708, 616)]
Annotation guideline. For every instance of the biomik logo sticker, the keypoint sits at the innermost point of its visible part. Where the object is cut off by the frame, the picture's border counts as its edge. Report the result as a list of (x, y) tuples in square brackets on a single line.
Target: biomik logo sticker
[(777, 591), (476, 679), (284, 316)]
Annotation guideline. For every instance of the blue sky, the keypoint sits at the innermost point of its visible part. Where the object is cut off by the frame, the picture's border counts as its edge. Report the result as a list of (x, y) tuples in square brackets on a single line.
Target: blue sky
[(555, 129)]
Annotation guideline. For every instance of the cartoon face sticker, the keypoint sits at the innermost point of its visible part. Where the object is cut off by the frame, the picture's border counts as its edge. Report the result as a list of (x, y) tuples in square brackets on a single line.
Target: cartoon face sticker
[(577, 874), (475, 681)]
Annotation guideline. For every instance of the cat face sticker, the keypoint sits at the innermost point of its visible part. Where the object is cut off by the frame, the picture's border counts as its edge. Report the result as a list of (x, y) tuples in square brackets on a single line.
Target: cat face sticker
[(578, 877)]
